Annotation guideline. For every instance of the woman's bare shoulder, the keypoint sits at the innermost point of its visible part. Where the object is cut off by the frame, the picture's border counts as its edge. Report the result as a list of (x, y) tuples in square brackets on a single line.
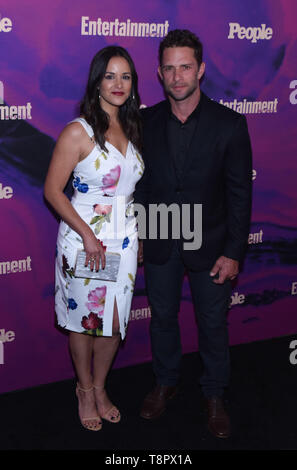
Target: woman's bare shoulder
[(73, 134), (74, 130)]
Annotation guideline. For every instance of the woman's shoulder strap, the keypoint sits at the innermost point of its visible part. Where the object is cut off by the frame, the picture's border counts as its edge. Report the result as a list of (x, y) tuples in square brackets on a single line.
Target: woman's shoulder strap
[(85, 125)]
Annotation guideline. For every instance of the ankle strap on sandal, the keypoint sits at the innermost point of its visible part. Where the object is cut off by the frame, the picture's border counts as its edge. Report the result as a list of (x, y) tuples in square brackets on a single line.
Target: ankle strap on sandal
[(98, 388), (84, 389)]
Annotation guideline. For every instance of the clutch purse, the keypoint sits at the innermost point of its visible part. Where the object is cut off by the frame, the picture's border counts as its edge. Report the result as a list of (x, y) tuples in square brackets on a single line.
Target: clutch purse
[(109, 273)]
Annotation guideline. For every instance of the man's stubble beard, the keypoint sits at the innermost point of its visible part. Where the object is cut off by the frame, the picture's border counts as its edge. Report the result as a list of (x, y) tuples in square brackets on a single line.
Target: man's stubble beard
[(181, 98)]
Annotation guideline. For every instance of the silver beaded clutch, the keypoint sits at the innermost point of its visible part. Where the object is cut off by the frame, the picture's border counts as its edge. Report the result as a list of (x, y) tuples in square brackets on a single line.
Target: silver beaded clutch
[(109, 273)]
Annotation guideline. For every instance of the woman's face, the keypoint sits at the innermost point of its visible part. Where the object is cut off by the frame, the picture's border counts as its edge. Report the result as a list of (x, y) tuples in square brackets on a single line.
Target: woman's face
[(116, 84)]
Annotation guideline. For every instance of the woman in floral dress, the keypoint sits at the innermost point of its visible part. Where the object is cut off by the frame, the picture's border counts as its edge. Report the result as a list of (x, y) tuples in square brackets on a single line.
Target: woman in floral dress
[(101, 149)]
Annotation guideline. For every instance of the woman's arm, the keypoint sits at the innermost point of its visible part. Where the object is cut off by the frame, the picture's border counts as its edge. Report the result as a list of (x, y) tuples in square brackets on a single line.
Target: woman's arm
[(70, 148)]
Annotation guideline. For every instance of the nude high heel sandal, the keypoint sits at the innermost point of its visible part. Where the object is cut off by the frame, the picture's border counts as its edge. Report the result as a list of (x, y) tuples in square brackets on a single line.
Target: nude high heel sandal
[(96, 423), (112, 415)]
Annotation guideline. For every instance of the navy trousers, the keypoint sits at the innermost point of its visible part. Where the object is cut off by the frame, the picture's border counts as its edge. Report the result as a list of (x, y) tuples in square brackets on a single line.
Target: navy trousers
[(211, 301)]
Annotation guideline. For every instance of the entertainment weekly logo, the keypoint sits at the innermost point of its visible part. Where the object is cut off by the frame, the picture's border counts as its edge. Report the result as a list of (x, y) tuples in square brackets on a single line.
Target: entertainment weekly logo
[(294, 288), (6, 192), (13, 112), (15, 266), (252, 107), (5, 25), (125, 28), (140, 313), (251, 33), (5, 337), (145, 313), (255, 238)]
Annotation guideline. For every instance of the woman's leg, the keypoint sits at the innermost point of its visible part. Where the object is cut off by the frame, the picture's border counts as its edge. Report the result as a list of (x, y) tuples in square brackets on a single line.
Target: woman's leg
[(81, 348), (104, 350)]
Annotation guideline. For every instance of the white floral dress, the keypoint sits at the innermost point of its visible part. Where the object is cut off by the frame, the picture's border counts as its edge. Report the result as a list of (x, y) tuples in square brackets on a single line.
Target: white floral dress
[(103, 183)]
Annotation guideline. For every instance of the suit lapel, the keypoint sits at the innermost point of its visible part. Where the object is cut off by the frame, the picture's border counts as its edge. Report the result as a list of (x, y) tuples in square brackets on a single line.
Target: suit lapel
[(162, 144)]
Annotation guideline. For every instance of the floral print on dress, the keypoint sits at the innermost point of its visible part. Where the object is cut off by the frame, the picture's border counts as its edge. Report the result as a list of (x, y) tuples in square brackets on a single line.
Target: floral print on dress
[(92, 324), (141, 164), (96, 300), (126, 242), (132, 285), (66, 268), (103, 211), (72, 304), (110, 181), (97, 161), (81, 187)]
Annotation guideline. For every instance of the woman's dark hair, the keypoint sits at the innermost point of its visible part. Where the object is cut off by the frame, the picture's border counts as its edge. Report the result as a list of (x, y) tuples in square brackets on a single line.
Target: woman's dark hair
[(90, 108), (182, 38)]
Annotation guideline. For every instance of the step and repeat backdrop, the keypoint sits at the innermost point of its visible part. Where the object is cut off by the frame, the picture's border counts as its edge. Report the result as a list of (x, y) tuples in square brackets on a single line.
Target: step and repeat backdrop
[(250, 50)]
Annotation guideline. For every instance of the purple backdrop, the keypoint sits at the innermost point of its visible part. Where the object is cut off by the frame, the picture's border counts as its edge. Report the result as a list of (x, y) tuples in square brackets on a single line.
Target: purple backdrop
[(250, 55)]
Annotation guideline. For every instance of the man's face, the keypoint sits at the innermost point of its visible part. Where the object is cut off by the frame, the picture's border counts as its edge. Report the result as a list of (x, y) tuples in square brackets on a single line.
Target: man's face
[(180, 73)]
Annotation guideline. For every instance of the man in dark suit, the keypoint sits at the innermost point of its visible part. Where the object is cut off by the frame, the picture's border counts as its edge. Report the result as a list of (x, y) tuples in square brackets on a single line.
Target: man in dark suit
[(196, 152)]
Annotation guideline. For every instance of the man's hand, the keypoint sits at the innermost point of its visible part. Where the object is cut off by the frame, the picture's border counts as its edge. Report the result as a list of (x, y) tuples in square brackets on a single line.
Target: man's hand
[(227, 268), (140, 252)]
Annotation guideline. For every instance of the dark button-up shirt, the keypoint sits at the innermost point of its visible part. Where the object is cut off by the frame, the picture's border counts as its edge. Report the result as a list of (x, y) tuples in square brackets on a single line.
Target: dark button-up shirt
[(180, 135)]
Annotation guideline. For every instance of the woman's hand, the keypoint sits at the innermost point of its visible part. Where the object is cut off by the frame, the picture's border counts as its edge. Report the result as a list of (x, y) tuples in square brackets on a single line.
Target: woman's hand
[(95, 252)]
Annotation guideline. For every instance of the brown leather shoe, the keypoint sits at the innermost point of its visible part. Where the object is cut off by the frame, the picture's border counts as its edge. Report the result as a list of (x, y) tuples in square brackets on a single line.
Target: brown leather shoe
[(218, 420), (155, 402)]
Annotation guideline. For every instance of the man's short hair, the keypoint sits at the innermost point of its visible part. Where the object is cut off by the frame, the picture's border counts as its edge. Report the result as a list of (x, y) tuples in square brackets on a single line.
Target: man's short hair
[(182, 38)]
